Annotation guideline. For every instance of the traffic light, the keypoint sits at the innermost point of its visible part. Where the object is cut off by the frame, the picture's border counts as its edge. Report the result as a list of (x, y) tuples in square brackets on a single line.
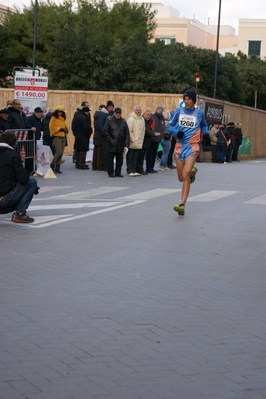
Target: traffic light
[(197, 75)]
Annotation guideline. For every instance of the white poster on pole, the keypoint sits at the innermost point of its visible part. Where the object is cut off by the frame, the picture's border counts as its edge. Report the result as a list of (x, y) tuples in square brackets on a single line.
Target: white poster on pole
[(31, 91), (43, 159)]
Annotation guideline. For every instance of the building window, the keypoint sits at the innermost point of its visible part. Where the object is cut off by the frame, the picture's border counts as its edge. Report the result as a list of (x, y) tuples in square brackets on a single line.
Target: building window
[(165, 40), (254, 47)]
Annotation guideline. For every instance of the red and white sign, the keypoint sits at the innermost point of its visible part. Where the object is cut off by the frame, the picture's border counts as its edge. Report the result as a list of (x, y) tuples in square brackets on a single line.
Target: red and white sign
[(31, 91), (31, 86)]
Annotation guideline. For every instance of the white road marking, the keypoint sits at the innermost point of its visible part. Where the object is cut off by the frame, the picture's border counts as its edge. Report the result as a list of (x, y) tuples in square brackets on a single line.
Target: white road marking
[(38, 219), (52, 188), (147, 195), (257, 200), (84, 215), (84, 194), (73, 206), (44, 219), (115, 204), (210, 196)]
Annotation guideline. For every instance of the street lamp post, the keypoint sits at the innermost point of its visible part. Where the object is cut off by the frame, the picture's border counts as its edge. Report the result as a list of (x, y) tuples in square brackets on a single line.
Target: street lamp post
[(34, 37), (197, 79), (217, 50)]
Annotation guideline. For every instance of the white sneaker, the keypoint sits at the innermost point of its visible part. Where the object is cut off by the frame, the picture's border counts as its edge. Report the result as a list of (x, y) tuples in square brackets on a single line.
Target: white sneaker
[(137, 174), (163, 169), (131, 174)]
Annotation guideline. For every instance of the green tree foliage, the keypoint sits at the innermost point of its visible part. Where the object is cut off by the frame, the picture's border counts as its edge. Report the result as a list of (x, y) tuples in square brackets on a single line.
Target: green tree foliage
[(252, 74), (88, 45), (16, 34)]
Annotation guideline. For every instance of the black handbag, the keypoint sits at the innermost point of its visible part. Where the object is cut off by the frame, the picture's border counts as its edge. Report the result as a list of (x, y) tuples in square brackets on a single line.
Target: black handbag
[(167, 136)]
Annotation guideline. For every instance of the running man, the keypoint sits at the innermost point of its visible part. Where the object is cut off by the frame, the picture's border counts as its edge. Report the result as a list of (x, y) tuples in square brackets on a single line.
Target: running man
[(186, 124)]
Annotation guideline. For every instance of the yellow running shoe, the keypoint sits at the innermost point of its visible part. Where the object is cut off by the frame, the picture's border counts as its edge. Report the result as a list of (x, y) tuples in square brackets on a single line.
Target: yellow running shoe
[(180, 209), (193, 175)]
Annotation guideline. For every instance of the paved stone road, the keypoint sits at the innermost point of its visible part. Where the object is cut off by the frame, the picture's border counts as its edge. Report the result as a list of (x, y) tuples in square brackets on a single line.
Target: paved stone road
[(112, 295)]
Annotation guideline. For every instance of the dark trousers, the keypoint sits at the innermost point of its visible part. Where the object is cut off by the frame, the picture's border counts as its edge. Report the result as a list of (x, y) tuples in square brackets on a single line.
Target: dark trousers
[(170, 155), (228, 154), (132, 156), (97, 158), (19, 198), (220, 152), (118, 163), (214, 148), (140, 160), (235, 152), (104, 154), (151, 156), (81, 159)]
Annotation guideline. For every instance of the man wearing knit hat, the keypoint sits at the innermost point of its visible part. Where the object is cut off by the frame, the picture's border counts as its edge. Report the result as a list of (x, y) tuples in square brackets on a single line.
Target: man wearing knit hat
[(186, 125)]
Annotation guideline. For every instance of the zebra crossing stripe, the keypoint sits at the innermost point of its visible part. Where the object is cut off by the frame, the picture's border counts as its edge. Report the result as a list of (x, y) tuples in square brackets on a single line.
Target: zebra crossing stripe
[(261, 200), (73, 206), (147, 195), (84, 215), (92, 192), (210, 196)]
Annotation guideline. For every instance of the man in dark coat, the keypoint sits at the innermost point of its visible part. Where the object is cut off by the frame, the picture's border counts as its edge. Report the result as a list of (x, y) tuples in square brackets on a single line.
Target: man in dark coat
[(73, 124), (34, 122), (229, 151), (83, 132), (237, 132), (4, 125), (16, 118), (16, 186), (100, 124), (116, 133), (99, 115)]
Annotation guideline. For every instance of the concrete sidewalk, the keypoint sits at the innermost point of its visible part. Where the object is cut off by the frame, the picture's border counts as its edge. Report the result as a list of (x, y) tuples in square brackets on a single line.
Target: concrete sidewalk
[(111, 295)]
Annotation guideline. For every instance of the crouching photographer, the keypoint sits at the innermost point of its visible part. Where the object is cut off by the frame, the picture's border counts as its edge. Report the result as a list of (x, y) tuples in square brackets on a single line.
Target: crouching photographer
[(17, 187)]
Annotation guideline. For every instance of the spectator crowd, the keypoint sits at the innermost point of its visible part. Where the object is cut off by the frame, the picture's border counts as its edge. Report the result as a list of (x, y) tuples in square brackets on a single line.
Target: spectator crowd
[(142, 139)]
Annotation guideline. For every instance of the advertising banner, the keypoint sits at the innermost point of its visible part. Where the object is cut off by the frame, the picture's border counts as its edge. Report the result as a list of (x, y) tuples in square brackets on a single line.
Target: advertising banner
[(43, 159), (213, 113), (31, 91)]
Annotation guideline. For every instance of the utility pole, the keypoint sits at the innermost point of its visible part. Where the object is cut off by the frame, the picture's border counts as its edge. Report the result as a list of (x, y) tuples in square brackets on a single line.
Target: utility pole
[(217, 50), (34, 37)]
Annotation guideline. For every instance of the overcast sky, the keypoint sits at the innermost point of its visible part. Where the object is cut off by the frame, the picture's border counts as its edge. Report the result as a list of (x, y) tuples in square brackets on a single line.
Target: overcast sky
[(231, 10)]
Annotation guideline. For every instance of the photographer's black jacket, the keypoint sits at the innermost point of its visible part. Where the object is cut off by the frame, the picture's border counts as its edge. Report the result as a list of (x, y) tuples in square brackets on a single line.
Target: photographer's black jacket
[(11, 169)]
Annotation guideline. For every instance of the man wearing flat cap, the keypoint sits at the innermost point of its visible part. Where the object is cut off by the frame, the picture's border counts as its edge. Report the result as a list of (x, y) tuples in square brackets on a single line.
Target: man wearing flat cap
[(117, 138), (4, 125), (34, 122), (186, 126), (83, 132), (100, 126)]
